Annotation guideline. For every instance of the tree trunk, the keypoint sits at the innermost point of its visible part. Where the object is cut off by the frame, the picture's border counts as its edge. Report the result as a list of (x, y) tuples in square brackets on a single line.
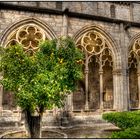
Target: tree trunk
[(33, 125)]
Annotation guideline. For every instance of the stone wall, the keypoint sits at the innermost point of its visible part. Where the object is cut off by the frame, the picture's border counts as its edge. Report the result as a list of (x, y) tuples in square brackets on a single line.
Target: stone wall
[(7, 18), (120, 36), (94, 8)]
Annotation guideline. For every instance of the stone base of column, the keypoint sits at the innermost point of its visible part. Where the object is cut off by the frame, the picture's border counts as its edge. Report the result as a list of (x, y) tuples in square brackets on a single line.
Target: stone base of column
[(139, 106), (86, 107), (101, 107), (1, 109)]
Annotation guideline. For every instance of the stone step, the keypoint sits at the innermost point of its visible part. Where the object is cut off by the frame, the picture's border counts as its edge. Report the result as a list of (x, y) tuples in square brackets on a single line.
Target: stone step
[(75, 120), (9, 121)]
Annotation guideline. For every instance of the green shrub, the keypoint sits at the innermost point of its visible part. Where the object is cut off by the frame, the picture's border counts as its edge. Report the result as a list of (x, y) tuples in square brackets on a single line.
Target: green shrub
[(133, 132), (129, 122), (123, 120)]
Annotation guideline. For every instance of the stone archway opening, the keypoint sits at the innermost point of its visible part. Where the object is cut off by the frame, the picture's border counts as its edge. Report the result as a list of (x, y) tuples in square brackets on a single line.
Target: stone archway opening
[(134, 75), (98, 72)]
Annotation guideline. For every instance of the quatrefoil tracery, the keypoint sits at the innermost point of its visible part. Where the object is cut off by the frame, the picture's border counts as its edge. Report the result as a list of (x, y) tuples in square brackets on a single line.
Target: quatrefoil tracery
[(29, 36)]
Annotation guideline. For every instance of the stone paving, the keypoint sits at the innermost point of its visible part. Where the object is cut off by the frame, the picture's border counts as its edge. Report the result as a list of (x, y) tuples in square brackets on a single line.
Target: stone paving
[(91, 126)]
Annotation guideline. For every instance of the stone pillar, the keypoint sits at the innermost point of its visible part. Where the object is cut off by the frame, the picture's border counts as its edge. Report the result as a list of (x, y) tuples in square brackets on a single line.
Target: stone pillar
[(125, 105), (1, 95), (138, 74), (129, 106), (101, 88), (86, 83), (116, 89), (69, 100), (120, 90), (122, 78)]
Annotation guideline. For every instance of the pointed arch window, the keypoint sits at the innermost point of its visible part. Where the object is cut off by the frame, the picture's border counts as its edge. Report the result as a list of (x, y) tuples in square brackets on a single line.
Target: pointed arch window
[(134, 74), (98, 65)]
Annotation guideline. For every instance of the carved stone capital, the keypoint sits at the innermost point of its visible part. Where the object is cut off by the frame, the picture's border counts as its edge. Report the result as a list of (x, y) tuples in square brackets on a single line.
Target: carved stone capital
[(117, 72), (86, 71), (101, 72)]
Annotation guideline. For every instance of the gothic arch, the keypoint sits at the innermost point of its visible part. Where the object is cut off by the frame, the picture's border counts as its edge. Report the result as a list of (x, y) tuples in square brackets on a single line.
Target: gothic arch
[(134, 71), (111, 43), (47, 28), (132, 40), (102, 57)]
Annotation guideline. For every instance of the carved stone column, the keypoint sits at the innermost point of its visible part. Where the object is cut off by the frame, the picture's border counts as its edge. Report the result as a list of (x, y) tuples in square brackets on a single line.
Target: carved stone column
[(69, 100), (116, 89), (123, 82), (138, 74), (128, 99), (101, 88), (124, 90), (86, 83), (120, 90), (1, 94)]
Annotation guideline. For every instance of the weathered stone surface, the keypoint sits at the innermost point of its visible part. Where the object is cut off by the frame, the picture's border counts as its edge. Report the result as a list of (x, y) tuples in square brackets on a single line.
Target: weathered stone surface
[(119, 35)]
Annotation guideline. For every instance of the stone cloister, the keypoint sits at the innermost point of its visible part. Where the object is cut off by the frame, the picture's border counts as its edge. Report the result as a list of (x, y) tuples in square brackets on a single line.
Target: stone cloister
[(101, 87), (111, 57)]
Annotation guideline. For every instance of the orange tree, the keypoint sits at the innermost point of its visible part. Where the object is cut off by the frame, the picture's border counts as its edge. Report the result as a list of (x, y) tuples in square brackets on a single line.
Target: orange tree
[(42, 80)]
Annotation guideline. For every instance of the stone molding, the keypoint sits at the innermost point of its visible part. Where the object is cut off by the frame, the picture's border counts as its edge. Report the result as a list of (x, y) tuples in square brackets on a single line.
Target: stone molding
[(117, 72)]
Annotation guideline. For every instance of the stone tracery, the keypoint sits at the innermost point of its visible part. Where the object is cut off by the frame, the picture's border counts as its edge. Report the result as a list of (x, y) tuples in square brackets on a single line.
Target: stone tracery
[(92, 42), (96, 50), (134, 74), (29, 36), (132, 59)]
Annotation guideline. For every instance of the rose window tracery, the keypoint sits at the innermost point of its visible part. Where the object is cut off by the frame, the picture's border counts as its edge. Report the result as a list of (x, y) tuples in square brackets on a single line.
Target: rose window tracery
[(29, 36), (92, 42)]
